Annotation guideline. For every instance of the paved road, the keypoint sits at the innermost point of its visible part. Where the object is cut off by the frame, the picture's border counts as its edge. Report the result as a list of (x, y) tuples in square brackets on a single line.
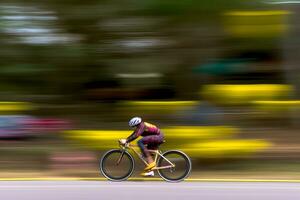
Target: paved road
[(102, 190)]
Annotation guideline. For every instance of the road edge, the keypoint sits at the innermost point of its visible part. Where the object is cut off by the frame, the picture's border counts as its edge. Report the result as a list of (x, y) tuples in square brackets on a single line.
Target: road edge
[(148, 179)]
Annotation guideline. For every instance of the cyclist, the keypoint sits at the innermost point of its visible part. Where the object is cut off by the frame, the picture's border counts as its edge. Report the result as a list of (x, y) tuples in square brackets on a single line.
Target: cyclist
[(152, 137)]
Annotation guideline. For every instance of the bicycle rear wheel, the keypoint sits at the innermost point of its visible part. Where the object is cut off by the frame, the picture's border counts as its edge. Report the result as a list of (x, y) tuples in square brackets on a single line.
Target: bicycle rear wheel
[(182, 169), (114, 171)]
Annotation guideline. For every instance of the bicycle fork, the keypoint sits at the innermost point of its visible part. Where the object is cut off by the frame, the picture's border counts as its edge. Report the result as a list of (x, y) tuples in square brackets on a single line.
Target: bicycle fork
[(120, 158)]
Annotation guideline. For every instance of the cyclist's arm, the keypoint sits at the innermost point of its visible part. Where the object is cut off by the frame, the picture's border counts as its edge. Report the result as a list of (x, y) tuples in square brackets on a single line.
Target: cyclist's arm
[(131, 137), (136, 133)]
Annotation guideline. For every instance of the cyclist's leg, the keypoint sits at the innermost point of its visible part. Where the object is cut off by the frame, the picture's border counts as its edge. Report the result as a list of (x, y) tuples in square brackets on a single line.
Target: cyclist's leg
[(147, 171), (151, 141), (155, 141), (141, 143)]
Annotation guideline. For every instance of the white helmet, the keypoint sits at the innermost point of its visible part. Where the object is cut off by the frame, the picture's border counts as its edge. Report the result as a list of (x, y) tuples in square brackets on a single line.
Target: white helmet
[(135, 121)]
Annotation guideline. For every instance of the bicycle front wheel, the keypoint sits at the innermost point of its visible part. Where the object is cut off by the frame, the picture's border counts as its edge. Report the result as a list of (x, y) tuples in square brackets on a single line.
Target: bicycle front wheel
[(182, 166), (117, 165)]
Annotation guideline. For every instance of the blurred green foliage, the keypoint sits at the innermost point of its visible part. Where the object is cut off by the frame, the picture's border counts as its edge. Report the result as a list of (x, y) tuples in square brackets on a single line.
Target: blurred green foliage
[(56, 47)]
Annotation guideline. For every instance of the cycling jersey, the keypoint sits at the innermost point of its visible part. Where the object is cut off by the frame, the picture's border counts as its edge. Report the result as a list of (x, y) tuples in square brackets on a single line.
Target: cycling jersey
[(144, 129)]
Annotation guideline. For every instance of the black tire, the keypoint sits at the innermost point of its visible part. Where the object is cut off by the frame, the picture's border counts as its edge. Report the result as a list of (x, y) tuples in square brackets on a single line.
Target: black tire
[(182, 169), (114, 172)]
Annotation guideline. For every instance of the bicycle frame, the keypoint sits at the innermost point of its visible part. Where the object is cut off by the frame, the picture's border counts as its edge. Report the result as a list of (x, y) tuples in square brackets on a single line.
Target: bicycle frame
[(156, 152)]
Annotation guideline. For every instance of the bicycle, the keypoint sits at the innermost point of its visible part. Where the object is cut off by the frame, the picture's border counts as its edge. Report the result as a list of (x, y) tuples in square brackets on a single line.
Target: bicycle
[(118, 164)]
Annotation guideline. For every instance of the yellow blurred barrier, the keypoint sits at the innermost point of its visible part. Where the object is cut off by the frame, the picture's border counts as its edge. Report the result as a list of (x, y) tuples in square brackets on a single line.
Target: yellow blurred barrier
[(206, 141), (223, 148), (198, 132), (278, 103), (97, 134), (259, 13), (257, 23), (15, 106), (283, 105), (246, 93)]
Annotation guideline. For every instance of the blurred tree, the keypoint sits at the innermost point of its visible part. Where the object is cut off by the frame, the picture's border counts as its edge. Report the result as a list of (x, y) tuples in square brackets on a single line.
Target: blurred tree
[(74, 42)]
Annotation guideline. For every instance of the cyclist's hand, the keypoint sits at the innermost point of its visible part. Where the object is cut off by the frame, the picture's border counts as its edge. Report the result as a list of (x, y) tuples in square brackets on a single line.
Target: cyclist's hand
[(122, 141)]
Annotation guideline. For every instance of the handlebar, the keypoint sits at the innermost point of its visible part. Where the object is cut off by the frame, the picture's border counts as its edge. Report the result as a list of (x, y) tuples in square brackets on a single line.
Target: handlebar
[(123, 145)]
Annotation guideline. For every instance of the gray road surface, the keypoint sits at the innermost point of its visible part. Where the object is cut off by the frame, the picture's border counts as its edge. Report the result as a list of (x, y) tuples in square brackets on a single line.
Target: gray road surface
[(104, 190)]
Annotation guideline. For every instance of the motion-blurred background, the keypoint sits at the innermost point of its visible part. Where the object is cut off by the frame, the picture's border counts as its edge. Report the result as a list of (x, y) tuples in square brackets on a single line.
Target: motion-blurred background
[(219, 77)]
